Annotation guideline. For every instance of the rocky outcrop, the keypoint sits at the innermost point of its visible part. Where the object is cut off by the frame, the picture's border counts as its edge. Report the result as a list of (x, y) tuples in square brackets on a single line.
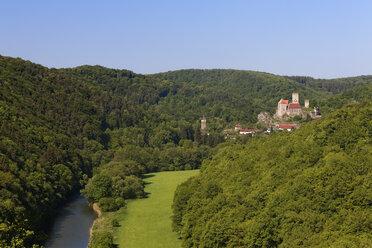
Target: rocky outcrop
[(265, 119)]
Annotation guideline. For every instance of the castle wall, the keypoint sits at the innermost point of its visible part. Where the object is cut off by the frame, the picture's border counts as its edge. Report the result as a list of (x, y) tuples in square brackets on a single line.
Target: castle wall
[(294, 111)]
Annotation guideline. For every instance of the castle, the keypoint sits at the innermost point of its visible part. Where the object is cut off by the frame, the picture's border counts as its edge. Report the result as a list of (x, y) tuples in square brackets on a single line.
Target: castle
[(286, 109)]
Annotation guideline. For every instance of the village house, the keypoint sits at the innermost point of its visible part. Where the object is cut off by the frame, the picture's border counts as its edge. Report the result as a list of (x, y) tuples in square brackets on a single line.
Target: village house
[(238, 128), (247, 131), (287, 127)]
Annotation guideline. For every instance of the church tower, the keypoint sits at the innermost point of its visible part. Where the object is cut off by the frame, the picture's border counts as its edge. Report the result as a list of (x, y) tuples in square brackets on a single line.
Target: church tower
[(203, 124)]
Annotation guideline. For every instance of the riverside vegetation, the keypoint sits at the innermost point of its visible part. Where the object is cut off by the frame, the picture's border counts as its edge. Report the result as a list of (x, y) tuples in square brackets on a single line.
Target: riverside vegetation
[(103, 129)]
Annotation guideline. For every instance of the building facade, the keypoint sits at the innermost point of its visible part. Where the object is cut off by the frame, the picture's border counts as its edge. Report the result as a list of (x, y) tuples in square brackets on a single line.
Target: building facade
[(286, 109)]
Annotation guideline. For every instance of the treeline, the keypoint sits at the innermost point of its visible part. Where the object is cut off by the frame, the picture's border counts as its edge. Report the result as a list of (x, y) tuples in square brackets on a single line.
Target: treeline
[(309, 188)]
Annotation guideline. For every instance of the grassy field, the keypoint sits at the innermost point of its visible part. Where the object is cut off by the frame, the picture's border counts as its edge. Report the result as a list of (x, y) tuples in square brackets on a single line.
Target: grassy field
[(146, 223)]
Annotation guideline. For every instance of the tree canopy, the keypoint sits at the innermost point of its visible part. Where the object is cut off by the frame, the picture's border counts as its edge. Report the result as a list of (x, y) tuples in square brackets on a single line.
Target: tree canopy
[(309, 188)]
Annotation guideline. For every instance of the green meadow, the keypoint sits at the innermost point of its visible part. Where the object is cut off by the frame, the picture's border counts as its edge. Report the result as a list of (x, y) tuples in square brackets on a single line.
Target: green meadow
[(146, 223)]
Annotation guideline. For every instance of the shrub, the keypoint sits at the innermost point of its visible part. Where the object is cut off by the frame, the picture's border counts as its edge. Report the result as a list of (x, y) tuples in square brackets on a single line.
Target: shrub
[(103, 240), (115, 223), (109, 204)]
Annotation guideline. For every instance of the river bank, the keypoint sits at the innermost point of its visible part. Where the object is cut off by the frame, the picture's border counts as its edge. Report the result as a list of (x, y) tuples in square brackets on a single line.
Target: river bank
[(98, 212)]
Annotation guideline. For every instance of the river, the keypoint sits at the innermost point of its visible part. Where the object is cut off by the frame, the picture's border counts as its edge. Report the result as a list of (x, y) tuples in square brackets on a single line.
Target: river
[(72, 224)]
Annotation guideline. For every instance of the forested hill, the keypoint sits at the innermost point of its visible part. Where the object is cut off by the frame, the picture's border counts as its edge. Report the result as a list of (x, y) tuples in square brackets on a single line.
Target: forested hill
[(259, 91), (309, 188), (51, 134), (352, 95), (59, 127), (245, 83), (334, 86), (223, 96), (251, 91)]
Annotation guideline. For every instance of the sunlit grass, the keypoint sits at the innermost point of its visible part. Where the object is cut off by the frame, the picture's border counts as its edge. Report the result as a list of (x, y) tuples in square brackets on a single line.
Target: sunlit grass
[(146, 223)]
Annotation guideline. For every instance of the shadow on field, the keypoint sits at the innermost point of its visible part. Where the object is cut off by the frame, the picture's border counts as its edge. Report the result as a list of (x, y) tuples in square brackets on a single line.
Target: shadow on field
[(147, 183), (147, 195), (147, 176)]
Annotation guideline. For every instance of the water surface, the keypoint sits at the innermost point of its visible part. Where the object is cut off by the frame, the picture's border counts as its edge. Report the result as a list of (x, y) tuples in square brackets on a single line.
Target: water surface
[(72, 224)]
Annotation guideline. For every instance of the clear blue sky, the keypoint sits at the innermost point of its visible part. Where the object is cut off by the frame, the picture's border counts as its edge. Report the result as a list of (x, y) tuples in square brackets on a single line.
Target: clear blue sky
[(320, 38)]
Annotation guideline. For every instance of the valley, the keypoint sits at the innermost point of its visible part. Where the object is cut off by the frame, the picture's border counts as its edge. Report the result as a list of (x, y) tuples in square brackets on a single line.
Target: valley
[(193, 124), (102, 131)]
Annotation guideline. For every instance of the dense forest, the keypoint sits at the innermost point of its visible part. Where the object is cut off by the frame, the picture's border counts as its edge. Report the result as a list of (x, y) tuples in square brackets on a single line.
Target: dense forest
[(334, 86), (309, 188), (233, 95), (352, 95), (101, 129), (61, 127)]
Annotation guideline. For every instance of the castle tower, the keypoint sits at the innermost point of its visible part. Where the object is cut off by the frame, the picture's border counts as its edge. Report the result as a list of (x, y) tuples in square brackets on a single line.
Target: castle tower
[(295, 98), (282, 108), (307, 103), (203, 123)]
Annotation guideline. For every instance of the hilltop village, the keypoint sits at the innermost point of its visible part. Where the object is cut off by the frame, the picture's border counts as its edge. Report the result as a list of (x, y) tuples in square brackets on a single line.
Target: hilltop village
[(287, 117)]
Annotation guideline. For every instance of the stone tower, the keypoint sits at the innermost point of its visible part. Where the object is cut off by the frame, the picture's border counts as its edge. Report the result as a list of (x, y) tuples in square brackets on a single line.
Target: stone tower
[(307, 103), (282, 108), (203, 123), (295, 98)]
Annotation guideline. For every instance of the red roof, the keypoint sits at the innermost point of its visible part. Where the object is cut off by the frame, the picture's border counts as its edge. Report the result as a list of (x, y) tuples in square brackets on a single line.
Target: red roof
[(247, 130), (284, 101), (285, 126), (294, 105)]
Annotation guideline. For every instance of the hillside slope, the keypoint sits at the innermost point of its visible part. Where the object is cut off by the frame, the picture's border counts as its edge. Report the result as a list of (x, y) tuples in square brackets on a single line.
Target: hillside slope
[(334, 86), (352, 95), (309, 188), (51, 134), (248, 92)]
